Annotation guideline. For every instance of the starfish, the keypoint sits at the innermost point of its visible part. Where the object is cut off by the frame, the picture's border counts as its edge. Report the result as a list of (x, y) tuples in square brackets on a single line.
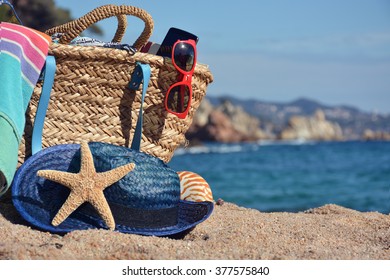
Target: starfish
[(86, 186)]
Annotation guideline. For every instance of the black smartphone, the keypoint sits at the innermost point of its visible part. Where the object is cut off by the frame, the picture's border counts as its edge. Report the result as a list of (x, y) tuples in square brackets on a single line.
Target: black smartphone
[(171, 38)]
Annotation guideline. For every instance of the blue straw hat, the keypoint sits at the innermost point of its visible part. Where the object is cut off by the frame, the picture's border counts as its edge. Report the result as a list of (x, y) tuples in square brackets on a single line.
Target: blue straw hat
[(146, 201)]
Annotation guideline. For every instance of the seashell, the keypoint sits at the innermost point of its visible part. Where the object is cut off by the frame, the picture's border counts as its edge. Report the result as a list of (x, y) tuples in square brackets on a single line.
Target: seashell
[(193, 187)]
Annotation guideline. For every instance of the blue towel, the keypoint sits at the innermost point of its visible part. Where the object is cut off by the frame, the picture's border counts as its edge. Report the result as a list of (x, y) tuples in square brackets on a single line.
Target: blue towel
[(23, 53)]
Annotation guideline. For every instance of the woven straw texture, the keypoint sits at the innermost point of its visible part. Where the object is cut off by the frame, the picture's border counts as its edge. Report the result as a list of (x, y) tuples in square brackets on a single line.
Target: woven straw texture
[(91, 101)]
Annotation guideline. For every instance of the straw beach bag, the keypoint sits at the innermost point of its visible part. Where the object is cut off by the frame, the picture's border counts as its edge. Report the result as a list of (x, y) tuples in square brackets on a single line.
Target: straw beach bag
[(90, 98)]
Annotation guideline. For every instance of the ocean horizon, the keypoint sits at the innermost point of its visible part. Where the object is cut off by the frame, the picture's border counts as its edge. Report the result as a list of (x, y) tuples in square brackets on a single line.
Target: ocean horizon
[(293, 176)]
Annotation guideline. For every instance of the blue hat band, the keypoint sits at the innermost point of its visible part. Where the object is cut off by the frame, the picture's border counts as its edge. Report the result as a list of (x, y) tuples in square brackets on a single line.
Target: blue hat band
[(136, 218)]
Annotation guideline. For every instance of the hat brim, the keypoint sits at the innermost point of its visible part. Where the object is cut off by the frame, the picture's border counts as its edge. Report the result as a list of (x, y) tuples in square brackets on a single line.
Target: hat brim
[(38, 200)]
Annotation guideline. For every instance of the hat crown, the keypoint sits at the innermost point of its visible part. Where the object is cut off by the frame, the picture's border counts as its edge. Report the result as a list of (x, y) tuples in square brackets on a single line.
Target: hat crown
[(152, 185)]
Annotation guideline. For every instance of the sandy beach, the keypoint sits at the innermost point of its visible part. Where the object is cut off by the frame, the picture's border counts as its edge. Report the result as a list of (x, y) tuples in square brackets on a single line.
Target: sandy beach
[(327, 233)]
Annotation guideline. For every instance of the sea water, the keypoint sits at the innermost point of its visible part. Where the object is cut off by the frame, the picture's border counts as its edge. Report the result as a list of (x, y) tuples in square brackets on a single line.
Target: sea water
[(294, 176)]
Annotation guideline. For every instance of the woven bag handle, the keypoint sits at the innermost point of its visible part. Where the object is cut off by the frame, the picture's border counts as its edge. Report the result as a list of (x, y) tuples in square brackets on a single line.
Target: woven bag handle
[(79, 25), (64, 28)]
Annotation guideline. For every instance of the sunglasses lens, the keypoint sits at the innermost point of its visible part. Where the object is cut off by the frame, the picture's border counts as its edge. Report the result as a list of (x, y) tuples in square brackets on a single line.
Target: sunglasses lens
[(184, 56), (178, 99)]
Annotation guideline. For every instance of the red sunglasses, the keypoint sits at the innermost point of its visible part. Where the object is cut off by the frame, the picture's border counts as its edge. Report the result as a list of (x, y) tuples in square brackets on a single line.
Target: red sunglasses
[(179, 95)]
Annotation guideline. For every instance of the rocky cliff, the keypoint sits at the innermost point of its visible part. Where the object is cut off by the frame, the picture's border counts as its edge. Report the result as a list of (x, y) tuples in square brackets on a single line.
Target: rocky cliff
[(226, 122), (315, 127), (370, 135)]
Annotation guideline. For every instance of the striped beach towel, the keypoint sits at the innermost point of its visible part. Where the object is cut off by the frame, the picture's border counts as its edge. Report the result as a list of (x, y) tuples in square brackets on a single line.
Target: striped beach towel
[(23, 52)]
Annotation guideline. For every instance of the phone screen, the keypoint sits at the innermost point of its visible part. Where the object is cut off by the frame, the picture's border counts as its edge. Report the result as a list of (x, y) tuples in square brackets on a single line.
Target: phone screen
[(171, 38)]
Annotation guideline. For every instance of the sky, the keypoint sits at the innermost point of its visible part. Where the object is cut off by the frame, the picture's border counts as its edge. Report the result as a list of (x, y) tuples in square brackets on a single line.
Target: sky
[(332, 51)]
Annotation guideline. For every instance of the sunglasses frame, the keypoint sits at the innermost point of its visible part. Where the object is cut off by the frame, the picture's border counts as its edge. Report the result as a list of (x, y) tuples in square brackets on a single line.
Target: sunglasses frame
[(185, 79)]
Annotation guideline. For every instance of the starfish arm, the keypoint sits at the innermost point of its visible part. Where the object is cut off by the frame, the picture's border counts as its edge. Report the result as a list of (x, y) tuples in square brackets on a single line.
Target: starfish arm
[(100, 203), (87, 185), (87, 165), (69, 180), (72, 203), (108, 178)]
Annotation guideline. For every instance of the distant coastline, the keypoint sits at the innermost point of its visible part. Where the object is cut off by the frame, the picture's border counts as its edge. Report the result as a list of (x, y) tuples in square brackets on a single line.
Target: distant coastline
[(232, 120)]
